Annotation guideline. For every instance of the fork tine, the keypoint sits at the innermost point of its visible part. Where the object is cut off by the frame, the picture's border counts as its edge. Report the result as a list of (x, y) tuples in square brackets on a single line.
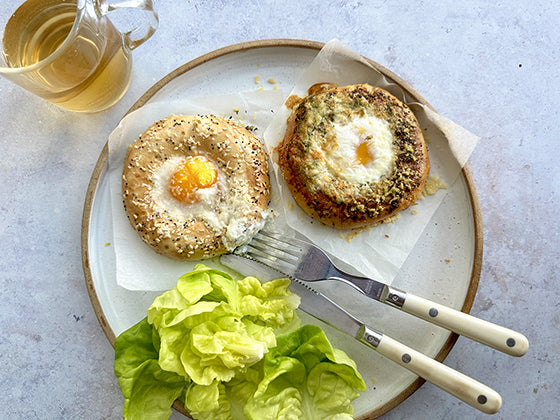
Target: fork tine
[(273, 252), (270, 260), (277, 241), (276, 251)]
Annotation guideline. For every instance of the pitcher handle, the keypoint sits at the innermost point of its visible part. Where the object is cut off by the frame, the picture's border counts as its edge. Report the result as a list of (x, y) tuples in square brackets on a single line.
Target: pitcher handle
[(138, 35)]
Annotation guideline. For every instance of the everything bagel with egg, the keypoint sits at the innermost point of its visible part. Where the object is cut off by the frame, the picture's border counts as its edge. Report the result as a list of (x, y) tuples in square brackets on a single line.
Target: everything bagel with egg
[(195, 187), (353, 156)]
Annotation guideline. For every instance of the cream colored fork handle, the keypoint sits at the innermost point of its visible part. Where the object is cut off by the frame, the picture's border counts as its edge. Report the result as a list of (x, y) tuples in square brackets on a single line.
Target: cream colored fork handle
[(457, 384), (495, 336)]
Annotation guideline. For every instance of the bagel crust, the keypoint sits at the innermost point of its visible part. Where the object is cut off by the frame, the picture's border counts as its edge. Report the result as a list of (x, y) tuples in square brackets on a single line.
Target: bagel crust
[(226, 216), (353, 201)]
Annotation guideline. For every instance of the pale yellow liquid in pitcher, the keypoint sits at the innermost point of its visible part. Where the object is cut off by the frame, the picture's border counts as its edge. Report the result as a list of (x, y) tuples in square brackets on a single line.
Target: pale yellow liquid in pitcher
[(89, 75)]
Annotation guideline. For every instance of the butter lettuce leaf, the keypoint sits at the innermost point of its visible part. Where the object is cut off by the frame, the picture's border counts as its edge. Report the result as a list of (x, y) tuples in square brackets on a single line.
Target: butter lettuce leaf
[(208, 402), (218, 350), (210, 326), (271, 303), (304, 377), (218, 345), (148, 390)]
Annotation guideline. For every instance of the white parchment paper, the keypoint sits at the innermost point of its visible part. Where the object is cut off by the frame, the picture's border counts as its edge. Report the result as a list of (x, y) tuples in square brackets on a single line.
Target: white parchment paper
[(379, 251), (138, 266)]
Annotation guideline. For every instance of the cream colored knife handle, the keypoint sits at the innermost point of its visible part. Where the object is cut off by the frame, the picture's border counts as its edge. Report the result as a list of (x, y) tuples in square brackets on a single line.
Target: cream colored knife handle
[(495, 336), (461, 386)]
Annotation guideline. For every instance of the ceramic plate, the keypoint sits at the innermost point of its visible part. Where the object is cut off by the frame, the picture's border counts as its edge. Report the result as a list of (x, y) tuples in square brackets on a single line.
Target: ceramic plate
[(444, 266)]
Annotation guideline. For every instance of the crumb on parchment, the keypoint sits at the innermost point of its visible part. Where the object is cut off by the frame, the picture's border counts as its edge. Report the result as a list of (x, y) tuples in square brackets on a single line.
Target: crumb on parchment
[(433, 185), (391, 219), (356, 232), (353, 234)]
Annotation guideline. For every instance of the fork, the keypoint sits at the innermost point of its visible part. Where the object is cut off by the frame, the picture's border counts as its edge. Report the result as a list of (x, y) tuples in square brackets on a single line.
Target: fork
[(305, 261)]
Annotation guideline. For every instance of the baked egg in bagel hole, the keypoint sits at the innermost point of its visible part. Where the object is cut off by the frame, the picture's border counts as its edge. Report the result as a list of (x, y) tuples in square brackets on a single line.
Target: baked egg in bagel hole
[(352, 156), (360, 150), (191, 187), (195, 187), (195, 173)]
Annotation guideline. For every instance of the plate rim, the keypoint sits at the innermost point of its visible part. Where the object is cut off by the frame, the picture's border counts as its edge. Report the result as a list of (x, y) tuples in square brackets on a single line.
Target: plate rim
[(269, 43)]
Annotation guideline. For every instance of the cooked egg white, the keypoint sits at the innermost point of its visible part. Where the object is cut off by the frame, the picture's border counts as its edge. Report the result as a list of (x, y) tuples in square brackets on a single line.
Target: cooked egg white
[(219, 206), (361, 150)]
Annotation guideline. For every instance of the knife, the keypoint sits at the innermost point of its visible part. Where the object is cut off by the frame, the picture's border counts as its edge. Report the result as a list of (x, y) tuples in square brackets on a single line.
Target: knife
[(321, 307), (307, 262)]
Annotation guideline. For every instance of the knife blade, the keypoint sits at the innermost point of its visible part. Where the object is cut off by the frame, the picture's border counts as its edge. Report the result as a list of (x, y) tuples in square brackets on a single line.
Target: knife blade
[(321, 307)]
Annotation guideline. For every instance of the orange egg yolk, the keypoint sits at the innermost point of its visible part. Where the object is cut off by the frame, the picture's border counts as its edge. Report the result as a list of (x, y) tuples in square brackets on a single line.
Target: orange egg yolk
[(363, 155), (194, 174)]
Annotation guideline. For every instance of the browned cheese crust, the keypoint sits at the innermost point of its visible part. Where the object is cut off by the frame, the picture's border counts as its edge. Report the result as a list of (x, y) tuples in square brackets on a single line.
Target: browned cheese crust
[(337, 202), (241, 160)]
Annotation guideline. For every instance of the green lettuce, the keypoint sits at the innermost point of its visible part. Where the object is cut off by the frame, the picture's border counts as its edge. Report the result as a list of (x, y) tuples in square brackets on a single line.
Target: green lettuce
[(205, 331), (304, 377), (148, 390), (219, 345), (210, 326), (208, 402)]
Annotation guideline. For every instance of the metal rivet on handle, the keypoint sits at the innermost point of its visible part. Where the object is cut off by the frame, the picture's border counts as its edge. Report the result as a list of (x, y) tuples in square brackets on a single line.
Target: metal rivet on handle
[(482, 399), (433, 312), (510, 342), (406, 358)]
